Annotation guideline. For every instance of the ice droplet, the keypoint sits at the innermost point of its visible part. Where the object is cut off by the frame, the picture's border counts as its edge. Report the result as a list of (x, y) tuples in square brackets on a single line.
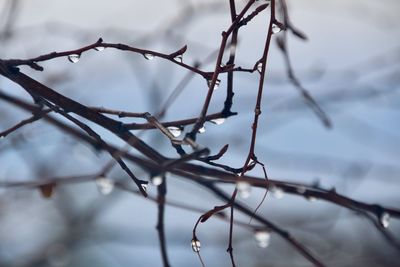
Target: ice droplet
[(311, 198), (244, 189), (202, 130), (144, 187), (148, 56), (216, 85), (99, 48), (259, 67), (156, 180), (218, 121), (74, 58), (277, 192), (175, 131), (384, 219), (105, 185), (276, 28), (178, 58), (301, 189), (196, 245), (262, 238)]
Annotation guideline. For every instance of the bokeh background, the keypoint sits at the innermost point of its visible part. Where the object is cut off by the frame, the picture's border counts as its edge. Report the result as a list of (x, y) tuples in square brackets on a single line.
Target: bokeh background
[(350, 64)]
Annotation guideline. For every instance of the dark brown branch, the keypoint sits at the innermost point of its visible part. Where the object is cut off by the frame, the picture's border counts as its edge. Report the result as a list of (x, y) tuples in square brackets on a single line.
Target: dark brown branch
[(161, 195), (22, 123)]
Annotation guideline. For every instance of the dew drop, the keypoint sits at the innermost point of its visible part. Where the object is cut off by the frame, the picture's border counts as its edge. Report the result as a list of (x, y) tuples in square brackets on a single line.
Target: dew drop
[(175, 131), (251, 162), (311, 198), (144, 187), (148, 56), (276, 28), (105, 185), (277, 192), (74, 58), (178, 58), (259, 67), (262, 238), (195, 245), (216, 85), (301, 189), (218, 121), (156, 180), (244, 189), (384, 219), (99, 48), (202, 130)]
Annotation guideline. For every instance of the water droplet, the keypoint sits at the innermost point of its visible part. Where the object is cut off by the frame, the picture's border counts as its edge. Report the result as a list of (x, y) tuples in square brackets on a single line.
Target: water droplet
[(47, 190), (144, 187), (259, 67), (148, 56), (251, 162), (301, 189), (277, 192), (385, 219), (196, 245), (202, 130), (276, 28), (216, 85), (262, 238), (178, 58), (218, 121), (74, 58), (156, 180), (99, 48), (175, 131), (105, 185), (244, 189), (311, 198)]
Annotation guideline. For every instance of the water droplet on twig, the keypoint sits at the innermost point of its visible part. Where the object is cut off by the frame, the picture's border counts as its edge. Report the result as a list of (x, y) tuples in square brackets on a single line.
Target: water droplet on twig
[(262, 238), (276, 28), (301, 189), (384, 219), (175, 131), (99, 48), (74, 58), (311, 198), (144, 187), (105, 185), (148, 56), (218, 121), (244, 189), (156, 180), (179, 58), (277, 192), (216, 85), (195, 245), (202, 129), (260, 67)]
